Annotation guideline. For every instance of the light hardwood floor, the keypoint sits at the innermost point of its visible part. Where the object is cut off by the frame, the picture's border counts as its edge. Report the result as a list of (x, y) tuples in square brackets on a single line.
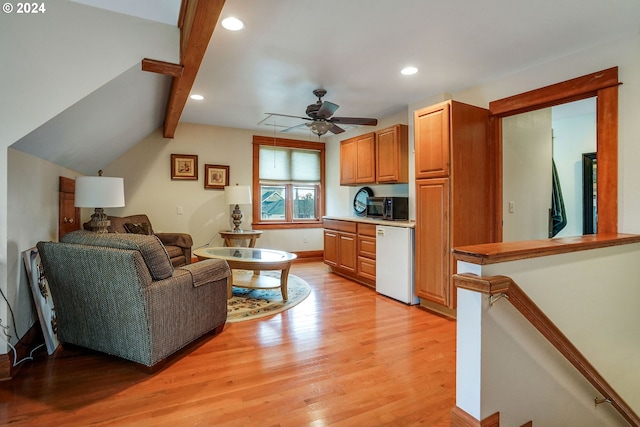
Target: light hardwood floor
[(345, 356)]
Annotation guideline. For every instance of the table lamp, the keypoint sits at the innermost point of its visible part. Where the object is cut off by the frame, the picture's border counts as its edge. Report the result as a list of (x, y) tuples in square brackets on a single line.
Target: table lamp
[(237, 195), (102, 191)]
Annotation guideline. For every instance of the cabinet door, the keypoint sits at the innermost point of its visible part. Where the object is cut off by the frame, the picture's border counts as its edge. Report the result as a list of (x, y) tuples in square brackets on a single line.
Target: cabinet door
[(347, 257), (331, 248), (392, 155), (366, 158), (432, 135), (432, 241), (68, 214), (348, 161)]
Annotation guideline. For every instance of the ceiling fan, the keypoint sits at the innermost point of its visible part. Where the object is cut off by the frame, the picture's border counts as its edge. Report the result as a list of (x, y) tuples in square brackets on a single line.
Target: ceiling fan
[(320, 120)]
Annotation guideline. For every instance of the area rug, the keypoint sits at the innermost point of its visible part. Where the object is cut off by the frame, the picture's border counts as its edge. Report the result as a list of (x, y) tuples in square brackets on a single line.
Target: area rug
[(250, 304)]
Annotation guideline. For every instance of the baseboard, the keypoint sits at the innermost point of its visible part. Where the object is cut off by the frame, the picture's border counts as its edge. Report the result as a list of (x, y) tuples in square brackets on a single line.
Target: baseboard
[(23, 348), (306, 256), (438, 309), (460, 418)]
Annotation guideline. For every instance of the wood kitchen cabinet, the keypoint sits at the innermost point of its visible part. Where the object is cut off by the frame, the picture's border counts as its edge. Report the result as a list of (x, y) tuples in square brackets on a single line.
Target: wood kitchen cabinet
[(432, 269), (340, 245), (453, 196), (357, 160), (375, 157), (350, 250), (392, 157)]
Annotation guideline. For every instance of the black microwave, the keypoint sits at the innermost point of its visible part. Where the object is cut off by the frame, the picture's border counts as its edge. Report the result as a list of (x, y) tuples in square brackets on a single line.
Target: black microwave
[(389, 208)]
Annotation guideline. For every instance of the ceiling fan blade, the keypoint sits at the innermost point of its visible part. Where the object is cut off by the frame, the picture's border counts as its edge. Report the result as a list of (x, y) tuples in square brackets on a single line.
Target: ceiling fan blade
[(326, 110), (336, 129), (293, 127), (287, 115), (363, 121)]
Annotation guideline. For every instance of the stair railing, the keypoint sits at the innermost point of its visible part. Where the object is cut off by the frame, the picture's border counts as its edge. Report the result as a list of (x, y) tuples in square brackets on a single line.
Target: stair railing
[(503, 287)]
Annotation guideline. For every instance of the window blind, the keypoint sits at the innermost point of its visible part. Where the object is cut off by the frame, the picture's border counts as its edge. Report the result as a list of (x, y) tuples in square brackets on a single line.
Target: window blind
[(289, 164)]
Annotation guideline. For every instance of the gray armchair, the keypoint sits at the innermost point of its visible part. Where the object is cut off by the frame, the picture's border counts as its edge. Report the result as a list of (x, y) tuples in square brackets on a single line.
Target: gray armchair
[(119, 294)]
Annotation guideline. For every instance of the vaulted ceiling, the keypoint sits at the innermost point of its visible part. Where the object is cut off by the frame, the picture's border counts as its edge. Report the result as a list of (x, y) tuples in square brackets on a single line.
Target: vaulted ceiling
[(352, 48)]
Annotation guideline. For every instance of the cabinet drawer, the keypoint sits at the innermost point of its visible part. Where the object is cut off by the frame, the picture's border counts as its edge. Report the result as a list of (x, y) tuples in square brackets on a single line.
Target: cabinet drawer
[(346, 226), (367, 268), (367, 229), (367, 247)]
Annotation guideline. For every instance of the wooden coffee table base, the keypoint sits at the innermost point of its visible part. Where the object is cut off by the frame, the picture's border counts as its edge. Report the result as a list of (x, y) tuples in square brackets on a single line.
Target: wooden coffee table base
[(255, 280)]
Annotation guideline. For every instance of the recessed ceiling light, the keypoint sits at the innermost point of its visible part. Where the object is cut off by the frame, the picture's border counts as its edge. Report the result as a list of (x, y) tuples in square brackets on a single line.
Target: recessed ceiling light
[(232, 24), (407, 71), (197, 97)]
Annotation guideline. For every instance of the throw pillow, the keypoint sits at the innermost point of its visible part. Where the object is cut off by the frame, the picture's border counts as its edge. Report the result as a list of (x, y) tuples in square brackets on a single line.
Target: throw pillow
[(137, 228)]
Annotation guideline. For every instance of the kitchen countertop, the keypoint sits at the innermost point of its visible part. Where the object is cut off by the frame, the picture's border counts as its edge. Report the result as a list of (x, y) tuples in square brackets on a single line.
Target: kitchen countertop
[(364, 219)]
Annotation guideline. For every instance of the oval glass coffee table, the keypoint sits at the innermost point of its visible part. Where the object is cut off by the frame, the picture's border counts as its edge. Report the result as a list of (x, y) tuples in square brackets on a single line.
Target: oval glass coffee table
[(255, 259)]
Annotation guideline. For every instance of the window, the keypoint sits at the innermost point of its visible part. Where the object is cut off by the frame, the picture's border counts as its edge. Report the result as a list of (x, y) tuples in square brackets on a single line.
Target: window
[(288, 183)]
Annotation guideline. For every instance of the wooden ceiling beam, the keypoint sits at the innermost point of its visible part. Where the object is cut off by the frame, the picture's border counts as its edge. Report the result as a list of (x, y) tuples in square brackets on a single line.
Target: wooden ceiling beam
[(161, 67), (198, 19)]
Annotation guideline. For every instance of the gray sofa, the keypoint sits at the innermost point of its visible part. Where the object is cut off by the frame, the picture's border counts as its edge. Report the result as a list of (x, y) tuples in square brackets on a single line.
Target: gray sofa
[(120, 294)]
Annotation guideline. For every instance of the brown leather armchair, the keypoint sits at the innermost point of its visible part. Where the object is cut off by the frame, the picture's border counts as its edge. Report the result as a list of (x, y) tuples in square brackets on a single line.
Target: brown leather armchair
[(178, 245)]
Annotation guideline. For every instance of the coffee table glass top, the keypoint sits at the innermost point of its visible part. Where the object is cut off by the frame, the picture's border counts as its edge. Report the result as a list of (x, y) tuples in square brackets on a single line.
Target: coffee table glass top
[(246, 254)]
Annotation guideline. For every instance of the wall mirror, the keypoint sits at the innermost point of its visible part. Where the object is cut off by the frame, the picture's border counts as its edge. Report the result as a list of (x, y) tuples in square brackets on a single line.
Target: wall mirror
[(602, 87)]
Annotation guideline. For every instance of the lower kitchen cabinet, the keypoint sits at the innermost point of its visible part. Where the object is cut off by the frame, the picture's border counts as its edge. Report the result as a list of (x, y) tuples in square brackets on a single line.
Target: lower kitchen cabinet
[(340, 245), (432, 233), (349, 249)]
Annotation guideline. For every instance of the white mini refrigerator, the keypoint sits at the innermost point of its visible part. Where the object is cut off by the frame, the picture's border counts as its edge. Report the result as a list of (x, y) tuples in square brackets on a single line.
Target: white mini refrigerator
[(394, 263)]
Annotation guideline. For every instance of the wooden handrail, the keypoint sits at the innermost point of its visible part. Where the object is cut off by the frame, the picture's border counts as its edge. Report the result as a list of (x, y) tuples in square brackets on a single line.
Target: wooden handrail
[(496, 285)]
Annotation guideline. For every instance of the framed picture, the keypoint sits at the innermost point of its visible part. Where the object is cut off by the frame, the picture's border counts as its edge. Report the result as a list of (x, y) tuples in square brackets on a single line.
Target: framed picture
[(42, 298), (184, 167), (216, 176)]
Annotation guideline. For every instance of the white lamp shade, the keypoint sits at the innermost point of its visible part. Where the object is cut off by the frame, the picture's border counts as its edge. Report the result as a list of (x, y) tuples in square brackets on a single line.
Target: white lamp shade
[(237, 195), (99, 192)]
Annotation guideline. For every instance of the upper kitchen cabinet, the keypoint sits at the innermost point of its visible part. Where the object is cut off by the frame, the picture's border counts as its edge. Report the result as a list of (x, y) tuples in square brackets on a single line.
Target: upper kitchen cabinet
[(392, 155), (357, 159), (433, 130), (375, 157)]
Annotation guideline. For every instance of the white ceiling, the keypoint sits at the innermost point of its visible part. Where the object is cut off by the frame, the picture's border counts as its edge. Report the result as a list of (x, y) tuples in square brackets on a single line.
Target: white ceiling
[(355, 49)]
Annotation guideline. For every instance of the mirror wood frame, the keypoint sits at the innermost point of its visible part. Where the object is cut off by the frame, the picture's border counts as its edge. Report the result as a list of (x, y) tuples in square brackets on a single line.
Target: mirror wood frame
[(602, 84)]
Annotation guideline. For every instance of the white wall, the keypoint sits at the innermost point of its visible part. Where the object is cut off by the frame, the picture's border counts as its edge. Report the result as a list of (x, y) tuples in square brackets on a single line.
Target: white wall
[(32, 217), (526, 175), (146, 169)]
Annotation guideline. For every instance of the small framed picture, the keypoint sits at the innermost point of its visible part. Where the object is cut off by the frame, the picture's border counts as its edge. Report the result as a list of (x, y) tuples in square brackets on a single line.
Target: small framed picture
[(216, 176), (184, 167)]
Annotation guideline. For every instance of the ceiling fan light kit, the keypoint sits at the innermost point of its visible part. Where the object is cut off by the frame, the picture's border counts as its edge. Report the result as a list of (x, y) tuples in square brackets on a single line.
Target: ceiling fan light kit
[(319, 127), (320, 116)]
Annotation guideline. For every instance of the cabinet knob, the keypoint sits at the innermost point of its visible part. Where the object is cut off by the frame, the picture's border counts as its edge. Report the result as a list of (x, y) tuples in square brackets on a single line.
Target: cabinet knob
[(68, 220)]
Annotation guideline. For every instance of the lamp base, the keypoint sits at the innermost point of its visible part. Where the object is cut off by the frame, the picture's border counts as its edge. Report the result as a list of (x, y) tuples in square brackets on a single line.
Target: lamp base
[(236, 215), (99, 222)]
